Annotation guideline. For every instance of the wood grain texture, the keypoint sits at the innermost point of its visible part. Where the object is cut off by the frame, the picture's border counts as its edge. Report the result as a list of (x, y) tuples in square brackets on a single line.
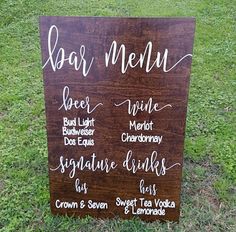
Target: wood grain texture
[(107, 85)]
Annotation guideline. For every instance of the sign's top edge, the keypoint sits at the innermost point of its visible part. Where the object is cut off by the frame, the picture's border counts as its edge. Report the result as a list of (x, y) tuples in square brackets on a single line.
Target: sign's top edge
[(121, 17)]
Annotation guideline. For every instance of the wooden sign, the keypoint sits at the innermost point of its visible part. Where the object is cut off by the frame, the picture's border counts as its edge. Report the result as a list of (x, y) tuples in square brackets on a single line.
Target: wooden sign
[(116, 94)]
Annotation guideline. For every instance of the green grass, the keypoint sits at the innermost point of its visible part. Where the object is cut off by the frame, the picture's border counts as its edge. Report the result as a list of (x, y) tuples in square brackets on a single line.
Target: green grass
[(208, 190)]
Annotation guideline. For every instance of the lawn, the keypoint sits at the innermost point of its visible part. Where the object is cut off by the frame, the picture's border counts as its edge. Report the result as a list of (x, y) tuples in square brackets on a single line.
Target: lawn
[(209, 180)]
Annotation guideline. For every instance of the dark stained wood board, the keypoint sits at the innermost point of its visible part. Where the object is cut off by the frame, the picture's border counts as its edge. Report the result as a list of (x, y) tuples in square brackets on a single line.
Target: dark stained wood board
[(116, 93)]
